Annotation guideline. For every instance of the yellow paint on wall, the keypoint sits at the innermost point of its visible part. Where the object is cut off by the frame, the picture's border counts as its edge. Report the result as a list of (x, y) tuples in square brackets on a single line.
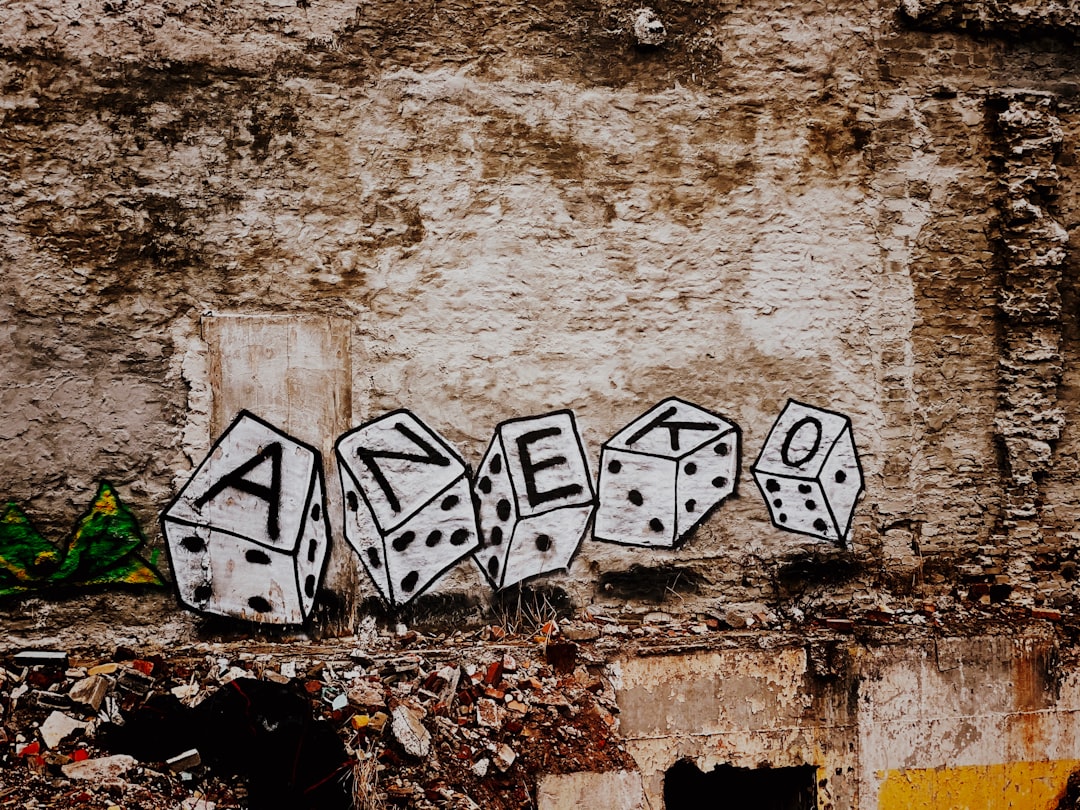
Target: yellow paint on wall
[(1010, 786)]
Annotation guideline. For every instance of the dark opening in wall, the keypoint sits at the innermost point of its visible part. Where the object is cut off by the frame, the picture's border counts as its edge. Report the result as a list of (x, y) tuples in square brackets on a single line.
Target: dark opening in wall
[(726, 787)]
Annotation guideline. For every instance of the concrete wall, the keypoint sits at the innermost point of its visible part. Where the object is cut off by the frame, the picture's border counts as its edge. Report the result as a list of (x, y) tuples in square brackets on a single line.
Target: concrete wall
[(975, 722)]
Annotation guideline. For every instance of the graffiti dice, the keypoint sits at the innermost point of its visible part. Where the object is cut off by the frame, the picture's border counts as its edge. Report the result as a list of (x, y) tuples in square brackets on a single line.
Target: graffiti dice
[(408, 503), (247, 536), (661, 475), (535, 497), (808, 472)]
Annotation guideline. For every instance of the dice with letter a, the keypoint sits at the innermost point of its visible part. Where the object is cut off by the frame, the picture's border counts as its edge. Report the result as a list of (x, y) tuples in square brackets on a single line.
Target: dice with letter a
[(248, 534)]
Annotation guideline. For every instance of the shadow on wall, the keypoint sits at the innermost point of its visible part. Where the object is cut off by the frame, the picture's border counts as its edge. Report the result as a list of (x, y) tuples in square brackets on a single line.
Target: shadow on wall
[(686, 787)]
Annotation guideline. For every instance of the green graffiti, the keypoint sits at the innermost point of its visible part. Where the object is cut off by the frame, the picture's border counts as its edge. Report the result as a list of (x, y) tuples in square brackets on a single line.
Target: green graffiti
[(100, 550)]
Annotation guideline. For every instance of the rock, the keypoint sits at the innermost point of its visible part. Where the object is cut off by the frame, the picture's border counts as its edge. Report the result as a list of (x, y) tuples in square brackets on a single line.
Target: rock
[(480, 768), (90, 691), (132, 680), (649, 30), (185, 762), (504, 757), (742, 615), (101, 768), (580, 632), (367, 695), (410, 732), (57, 726)]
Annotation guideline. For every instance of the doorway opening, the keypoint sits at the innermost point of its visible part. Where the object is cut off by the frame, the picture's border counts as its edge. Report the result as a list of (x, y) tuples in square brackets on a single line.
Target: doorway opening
[(726, 787)]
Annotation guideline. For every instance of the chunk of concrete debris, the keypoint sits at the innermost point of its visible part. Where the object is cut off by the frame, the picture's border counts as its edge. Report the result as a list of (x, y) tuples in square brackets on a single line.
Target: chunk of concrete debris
[(504, 757), (480, 767), (57, 726), (580, 632), (132, 680), (377, 721), (366, 695), (110, 767), (187, 693), (649, 30), (450, 678), (185, 762), (34, 658), (51, 700), (90, 691), (742, 615), (410, 732), (489, 713)]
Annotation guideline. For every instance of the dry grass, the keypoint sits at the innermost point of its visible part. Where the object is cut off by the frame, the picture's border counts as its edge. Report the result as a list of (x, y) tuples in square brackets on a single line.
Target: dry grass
[(365, 780)]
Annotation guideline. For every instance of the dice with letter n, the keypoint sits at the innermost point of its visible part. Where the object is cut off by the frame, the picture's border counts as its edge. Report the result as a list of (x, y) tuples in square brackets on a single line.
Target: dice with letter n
[(248, 534), (408, 504)]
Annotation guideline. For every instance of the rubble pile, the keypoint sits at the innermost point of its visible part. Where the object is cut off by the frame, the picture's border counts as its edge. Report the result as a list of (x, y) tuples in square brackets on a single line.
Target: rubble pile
[(406, 720), (461, 720)]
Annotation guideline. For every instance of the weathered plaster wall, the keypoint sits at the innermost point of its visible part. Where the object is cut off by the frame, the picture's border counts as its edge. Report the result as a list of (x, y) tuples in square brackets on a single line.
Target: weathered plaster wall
[(518, 210)]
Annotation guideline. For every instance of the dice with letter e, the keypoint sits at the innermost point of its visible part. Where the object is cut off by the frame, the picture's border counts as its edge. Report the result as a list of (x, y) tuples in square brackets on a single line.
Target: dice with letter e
[(535, 497), (408, 503), (664, 473), (248, 534), (808, 471)]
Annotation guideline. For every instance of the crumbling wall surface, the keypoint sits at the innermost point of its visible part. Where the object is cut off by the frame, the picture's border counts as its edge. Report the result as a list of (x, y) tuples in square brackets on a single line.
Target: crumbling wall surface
[(745, 707), (1024, 17), (993, 113), (520, 209), (964, 718), (890, 720)]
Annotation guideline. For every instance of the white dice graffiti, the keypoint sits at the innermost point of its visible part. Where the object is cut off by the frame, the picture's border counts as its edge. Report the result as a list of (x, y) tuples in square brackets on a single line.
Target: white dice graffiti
[(535, 497), (408, 504), (663, 474), (248, 534), (808, 472)]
